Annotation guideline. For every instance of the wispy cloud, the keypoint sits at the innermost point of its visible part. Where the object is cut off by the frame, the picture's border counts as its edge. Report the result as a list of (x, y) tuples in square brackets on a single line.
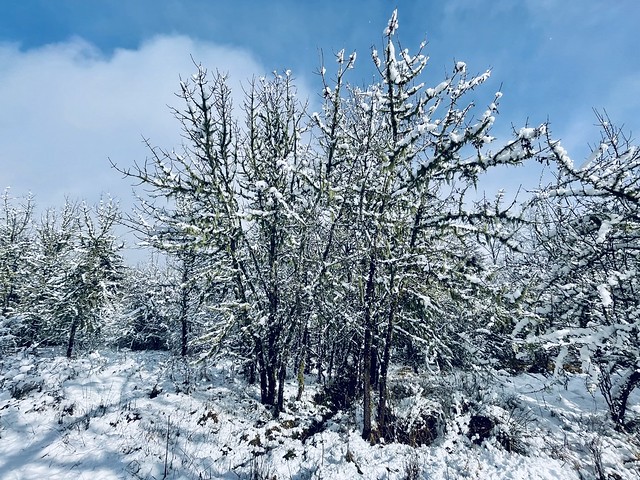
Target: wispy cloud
[(67, 107)]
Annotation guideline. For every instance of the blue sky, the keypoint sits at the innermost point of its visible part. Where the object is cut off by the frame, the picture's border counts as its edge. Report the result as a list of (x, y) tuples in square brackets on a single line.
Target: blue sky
[(83, 81)]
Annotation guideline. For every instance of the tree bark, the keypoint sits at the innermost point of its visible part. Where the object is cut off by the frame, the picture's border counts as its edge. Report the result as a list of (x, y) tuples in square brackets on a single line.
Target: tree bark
[(72, 336), (366, 403), (384, 365), (368, 337), (184, 310), (621, 402), (282, 373)]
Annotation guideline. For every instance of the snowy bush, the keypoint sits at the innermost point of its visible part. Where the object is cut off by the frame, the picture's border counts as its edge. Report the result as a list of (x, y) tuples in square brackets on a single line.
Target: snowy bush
[(9, 328), (462, 404)]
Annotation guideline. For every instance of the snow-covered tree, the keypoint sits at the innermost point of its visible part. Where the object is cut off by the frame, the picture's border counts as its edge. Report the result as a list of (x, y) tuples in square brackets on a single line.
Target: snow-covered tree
[(64, 273), (54, 245), (92, 275), (274, 200), (235, 201), (401, 163), (170, 227), (15, 249), (342, 240), (586, 305), (16, 245)]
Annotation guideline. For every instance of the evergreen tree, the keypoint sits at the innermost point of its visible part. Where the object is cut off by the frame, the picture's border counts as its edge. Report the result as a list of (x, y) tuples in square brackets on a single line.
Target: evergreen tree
[(15, 249), (93, 275)]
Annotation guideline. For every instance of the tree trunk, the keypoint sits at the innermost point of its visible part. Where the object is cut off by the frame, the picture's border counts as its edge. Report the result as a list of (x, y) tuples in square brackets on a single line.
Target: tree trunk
[(262, 369), (183, 334), (384, 367), (366, 404), (368, 336), (271, 385), (72, 336), (320, 357), (332, 356), (623, 398), (282, 373), (374, 365), (302, 362), (271, 368), (300, 379), (264, 395), (185, 291)]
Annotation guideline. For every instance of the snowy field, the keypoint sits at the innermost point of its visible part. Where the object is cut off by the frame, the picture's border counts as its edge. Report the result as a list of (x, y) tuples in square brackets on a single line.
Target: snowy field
[(115, 415)]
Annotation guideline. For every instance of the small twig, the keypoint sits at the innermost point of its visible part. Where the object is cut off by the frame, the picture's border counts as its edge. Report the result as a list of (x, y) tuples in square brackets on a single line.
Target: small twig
[(166, 450)]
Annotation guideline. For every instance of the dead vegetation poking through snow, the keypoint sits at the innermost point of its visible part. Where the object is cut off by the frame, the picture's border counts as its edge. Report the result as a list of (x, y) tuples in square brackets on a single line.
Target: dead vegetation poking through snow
[(149, 415)]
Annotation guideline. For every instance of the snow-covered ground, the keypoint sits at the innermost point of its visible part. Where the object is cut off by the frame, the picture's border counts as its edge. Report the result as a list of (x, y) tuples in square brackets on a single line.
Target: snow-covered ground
[(114, 415)]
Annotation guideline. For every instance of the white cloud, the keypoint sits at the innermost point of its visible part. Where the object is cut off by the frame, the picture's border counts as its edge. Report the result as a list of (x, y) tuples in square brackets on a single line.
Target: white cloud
[(67, 108)]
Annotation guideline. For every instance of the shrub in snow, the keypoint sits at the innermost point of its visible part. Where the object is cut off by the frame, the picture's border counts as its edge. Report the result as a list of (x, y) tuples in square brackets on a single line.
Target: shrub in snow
[(338, 394), (9, 328), (415, 414), (412, 468), (23, 386), (414, 422)]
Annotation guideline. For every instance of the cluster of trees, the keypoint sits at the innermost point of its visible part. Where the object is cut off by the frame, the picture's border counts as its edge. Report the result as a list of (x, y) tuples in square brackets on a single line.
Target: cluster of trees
[(341, 242), (59, 275), (63, 279)]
